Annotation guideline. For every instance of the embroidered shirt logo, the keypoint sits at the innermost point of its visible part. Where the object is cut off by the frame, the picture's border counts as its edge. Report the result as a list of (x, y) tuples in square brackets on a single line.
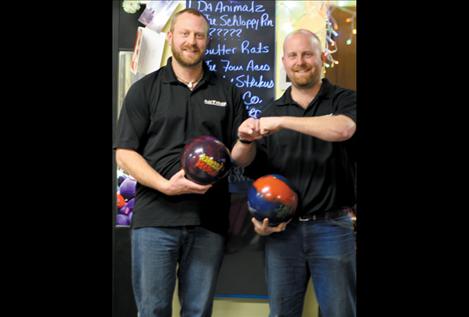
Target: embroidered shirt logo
[(215, 103)]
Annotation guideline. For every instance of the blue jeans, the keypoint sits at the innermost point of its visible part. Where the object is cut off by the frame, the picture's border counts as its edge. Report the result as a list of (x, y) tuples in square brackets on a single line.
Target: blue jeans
[(322, 249), (156, 251)]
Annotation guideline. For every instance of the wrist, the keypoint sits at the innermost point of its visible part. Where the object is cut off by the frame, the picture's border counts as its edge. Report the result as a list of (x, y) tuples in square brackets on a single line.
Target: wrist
[(245, 141)]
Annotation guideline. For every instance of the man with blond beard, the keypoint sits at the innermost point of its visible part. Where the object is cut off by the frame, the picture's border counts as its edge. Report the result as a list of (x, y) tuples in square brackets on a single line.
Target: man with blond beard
[(306, 136), (178, 226)]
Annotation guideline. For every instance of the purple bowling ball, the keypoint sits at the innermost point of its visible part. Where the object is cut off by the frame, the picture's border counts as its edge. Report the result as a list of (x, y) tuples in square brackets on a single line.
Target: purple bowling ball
[(122, 220), (205, 160), (127, 188), (124, 210), (120, 179), (131, 204), (128, 207)]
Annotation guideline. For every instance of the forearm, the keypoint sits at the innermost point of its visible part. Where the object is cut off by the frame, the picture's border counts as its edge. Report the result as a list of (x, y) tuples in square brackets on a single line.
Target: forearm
[(328, 128), (243, 154), (135, 165)]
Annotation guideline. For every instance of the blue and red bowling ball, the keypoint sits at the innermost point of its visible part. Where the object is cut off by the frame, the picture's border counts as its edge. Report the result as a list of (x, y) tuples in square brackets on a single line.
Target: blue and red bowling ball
[(205, 160), (272, 197)]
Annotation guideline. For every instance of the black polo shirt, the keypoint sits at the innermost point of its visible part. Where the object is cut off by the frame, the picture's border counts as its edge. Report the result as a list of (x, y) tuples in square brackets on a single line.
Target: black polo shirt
[(322, 172), (159, 115)]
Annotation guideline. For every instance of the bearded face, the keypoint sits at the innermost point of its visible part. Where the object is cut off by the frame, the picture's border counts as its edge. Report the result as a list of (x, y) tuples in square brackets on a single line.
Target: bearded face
[(188, 39), (187, 55), (302, 61), (304, 75)]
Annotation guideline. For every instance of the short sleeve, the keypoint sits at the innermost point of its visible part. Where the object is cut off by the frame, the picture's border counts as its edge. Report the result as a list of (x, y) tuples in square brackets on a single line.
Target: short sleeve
[(345, 103), (134, 118)]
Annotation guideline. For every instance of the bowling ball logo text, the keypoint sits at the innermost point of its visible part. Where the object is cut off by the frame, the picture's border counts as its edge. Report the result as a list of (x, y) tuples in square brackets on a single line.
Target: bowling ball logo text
[(209, 165)]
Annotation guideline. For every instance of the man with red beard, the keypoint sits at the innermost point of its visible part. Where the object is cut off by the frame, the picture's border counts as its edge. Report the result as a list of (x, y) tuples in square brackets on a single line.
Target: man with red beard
[(178, 226), (306, 137)]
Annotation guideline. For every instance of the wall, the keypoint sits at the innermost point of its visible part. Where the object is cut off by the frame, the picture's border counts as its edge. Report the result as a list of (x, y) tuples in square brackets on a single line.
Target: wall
[(344, 73), (311, 15)]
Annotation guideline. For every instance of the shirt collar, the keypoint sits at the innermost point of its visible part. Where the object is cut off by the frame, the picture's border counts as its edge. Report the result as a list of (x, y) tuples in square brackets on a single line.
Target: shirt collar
[(324, 92), (169, 76)]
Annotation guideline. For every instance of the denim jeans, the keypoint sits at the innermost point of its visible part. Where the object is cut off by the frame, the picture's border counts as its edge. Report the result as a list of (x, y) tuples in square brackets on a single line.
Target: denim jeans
[(322, 249), (156, 253)]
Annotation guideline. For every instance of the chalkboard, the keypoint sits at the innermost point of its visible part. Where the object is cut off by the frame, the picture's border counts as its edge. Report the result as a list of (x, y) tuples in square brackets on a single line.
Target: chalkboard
[(242, 47), (242, 50)]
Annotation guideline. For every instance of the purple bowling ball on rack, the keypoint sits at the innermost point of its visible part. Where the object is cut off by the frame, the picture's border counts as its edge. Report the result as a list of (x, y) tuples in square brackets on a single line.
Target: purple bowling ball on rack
[(128, 207), (127, 188), (126, 191), (122, 220)]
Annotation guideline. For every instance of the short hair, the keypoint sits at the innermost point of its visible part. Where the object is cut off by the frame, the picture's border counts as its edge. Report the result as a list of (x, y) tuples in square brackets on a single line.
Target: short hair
[(304, 32), (191, 11)]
